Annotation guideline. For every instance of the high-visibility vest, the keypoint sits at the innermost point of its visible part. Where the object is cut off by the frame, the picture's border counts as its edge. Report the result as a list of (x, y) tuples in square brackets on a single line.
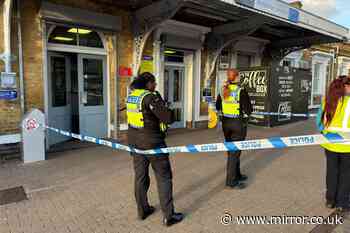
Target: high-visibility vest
[(134, 109), (340, 123), (230, 105)]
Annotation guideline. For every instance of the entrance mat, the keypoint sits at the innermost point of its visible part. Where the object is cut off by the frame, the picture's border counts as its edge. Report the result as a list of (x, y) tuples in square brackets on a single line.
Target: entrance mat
[(12, 195)]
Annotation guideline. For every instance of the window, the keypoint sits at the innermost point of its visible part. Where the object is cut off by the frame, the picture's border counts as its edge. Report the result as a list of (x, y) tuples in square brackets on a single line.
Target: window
[(243, 60), (172, 55), (75, 36), (343, 68), (59, 82), (317, 79), (317, 84), (93, 82)]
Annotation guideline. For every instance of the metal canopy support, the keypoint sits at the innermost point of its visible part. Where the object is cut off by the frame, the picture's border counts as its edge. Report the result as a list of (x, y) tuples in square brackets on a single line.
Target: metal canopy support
[(145, 20), (277, 50), (224, 35)]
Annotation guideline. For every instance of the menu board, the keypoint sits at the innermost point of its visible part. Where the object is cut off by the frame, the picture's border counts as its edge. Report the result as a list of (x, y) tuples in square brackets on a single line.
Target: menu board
[(277, 89), (256, 83), (289, 93)]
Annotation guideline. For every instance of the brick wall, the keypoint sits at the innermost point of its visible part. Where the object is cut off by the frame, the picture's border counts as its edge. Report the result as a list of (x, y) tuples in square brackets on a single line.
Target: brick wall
[(10, 112)]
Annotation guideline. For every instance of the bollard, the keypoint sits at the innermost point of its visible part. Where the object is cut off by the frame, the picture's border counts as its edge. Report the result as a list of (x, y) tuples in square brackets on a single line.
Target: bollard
[(33, 136)]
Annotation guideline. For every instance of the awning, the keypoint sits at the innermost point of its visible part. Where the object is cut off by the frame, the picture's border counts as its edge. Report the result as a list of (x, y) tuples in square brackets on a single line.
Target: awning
[(281, 24), (69, 15)]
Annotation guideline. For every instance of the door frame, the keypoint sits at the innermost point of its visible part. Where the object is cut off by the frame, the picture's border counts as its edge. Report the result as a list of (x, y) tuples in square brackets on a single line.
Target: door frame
[(46, 29), (184, 88)]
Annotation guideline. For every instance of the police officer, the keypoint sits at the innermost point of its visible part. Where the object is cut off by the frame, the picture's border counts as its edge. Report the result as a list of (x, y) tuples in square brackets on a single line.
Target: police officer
[(147, 116), (334, 117), (234, 103)]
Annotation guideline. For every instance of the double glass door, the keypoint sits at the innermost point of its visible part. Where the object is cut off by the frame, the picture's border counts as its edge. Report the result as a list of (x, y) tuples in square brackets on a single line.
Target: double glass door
[(77, 92), (174, 93)]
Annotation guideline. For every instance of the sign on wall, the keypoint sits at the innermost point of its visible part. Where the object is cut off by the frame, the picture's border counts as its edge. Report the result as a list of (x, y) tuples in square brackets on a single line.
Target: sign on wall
[(146, 64), (8, 80), (274, 7), (8, 94)]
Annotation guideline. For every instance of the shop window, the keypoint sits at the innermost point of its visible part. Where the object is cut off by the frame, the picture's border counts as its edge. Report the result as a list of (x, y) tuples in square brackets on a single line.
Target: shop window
[(75, 36)]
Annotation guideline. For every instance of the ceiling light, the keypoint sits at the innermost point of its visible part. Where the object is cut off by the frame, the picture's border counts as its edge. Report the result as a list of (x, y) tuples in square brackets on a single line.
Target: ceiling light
[(79, 30), (61, 38), (169, 52)]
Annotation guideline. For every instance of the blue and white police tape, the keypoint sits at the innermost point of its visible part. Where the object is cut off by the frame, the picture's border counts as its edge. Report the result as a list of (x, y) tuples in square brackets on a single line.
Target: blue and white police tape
[(285, 114), (269, 143)]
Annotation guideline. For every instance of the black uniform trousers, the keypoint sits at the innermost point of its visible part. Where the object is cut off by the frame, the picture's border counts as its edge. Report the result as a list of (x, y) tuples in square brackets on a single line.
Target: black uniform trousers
[(234, 130), (338, 178), (162, 169)]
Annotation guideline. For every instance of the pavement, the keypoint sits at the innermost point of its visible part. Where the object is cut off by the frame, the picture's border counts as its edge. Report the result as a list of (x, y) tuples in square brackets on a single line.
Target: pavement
[(90, 190)]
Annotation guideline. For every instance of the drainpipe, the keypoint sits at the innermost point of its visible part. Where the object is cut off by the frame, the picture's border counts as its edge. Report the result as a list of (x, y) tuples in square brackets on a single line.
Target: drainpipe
[(7, 35), (20, 59)]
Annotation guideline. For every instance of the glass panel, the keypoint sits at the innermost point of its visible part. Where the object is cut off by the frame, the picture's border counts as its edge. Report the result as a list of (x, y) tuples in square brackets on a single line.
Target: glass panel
[(178, 114), (93, 82), (166, 85), (317, 73), (243, 61), (61, 35), (58, 81), (71, 35), (172, 55), (177, 86), (89, 39)]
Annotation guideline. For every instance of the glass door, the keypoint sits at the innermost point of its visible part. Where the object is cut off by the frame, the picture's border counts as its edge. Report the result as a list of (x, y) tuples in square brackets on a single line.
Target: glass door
[(174, 93), (59, 83), (92, 95)]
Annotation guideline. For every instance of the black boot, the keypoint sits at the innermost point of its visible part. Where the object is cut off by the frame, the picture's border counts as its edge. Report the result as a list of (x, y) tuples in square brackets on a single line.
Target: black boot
[(330, 204), (147, 213), (237, 185), (175, 218)]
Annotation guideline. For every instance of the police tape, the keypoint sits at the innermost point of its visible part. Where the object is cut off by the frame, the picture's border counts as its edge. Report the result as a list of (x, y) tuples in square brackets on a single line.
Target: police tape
[(285, 114), (268, 143)]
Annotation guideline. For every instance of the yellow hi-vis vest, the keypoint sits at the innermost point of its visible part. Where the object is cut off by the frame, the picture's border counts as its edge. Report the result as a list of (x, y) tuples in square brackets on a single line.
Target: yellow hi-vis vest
[(134, 109), (230, 105), (340, 123)]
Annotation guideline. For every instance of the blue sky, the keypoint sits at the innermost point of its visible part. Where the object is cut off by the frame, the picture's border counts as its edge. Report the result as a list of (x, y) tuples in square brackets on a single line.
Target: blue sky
[(335, 10), (342, 15)]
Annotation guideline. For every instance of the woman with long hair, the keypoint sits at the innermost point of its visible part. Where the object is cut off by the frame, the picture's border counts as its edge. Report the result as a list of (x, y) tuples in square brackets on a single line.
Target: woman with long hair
[(334, 117), (234, 103)]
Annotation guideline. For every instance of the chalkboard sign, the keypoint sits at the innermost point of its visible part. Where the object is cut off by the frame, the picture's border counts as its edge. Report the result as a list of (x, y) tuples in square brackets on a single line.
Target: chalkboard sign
[(277, 89), (256, 83), (289, 93)]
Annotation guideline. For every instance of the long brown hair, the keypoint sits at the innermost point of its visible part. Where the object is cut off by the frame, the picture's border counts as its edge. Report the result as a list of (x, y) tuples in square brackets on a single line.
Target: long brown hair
[(232, 75), (335, 93)]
